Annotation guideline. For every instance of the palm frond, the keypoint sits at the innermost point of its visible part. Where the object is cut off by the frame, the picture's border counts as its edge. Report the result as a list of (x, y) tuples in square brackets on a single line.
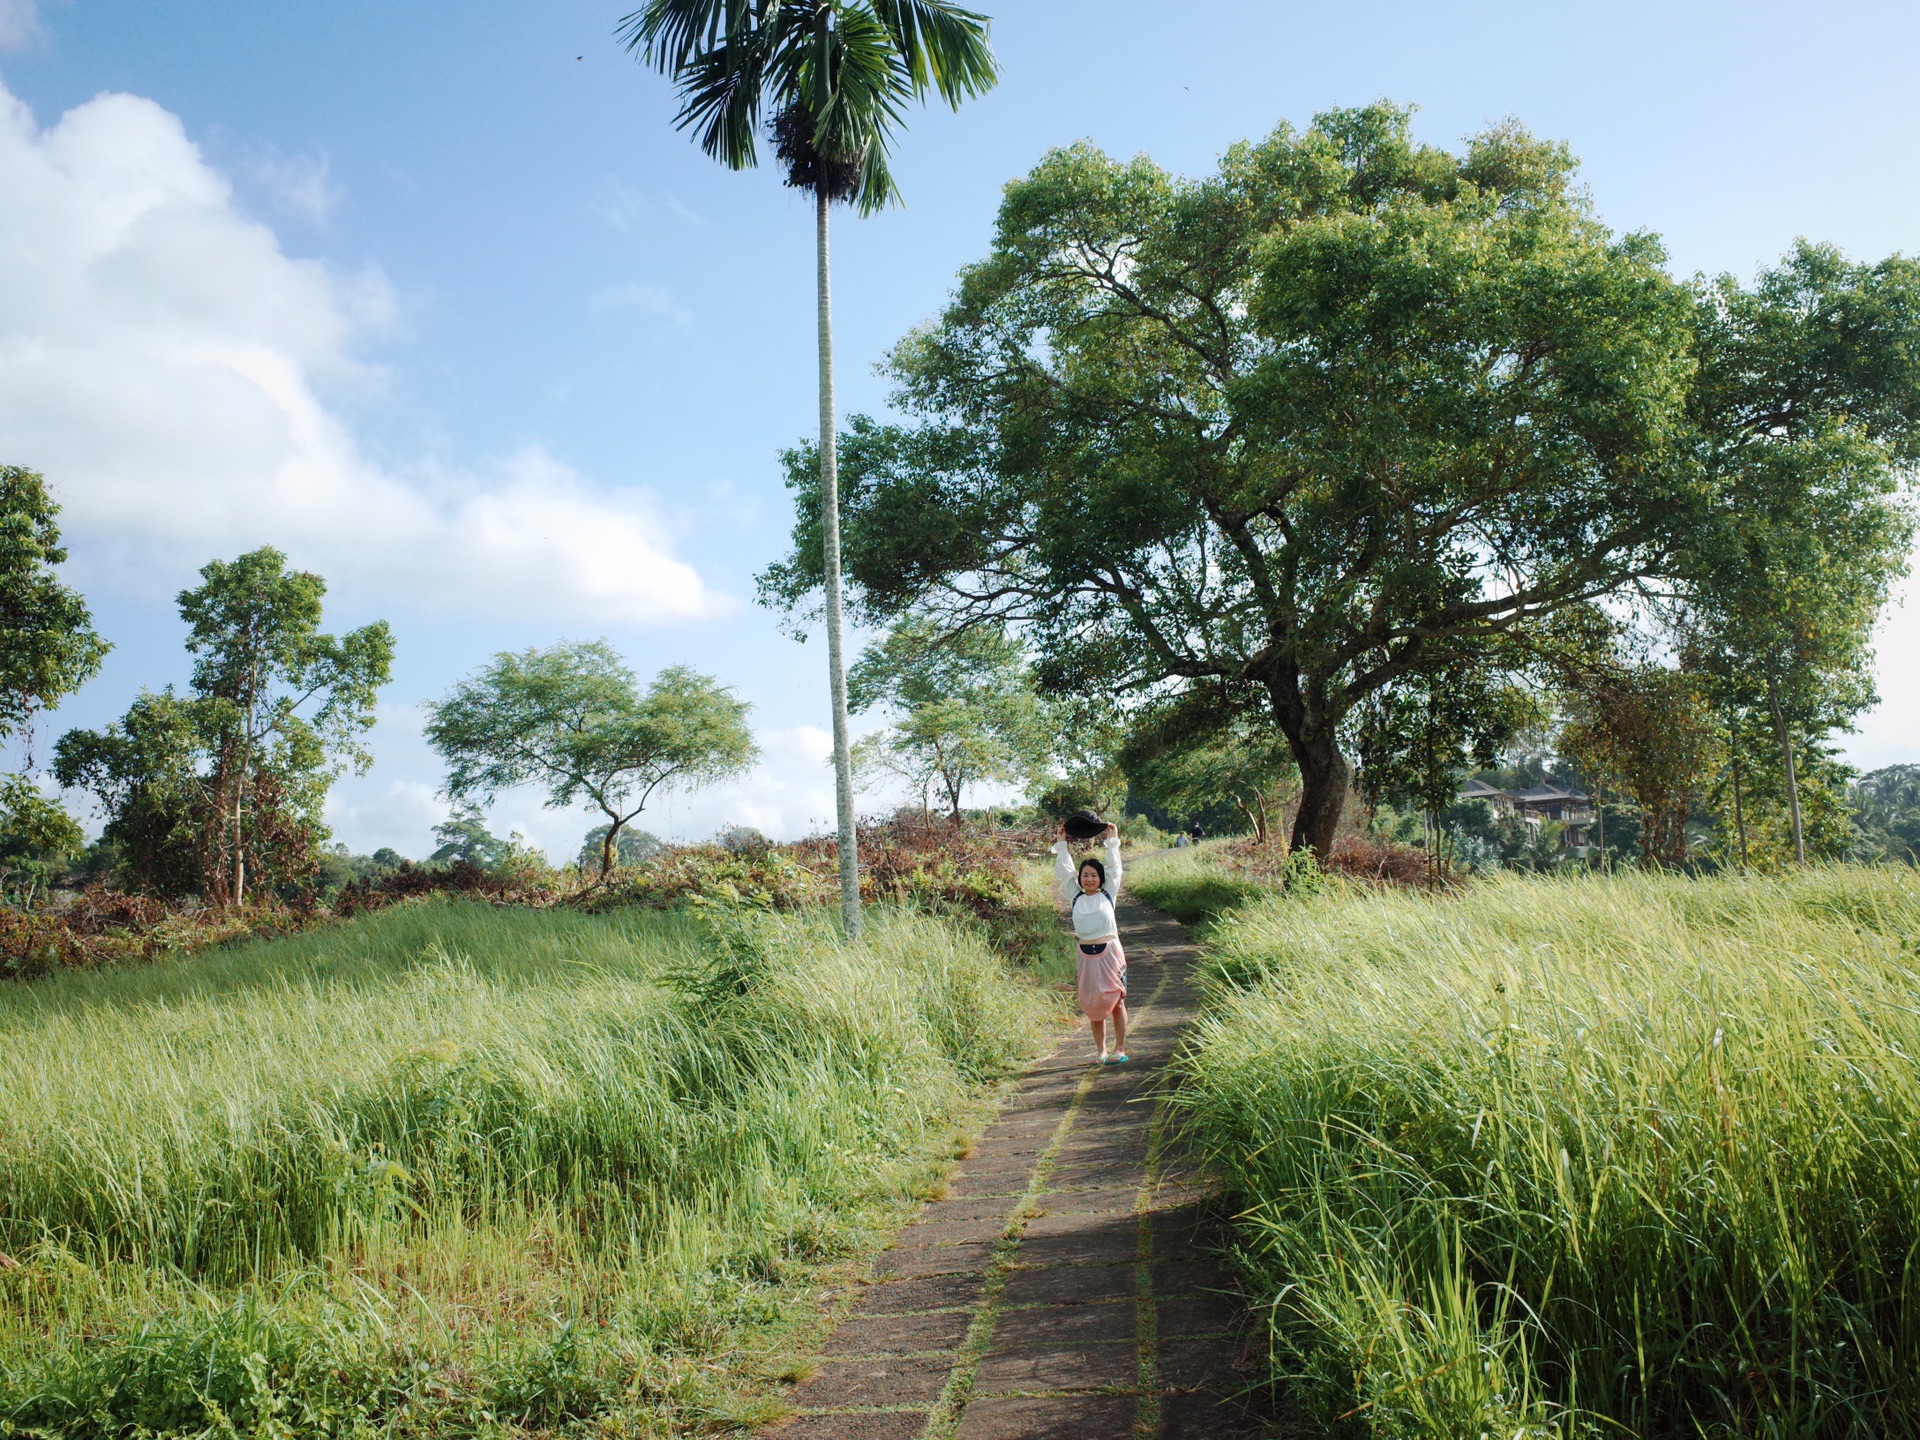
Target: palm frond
[(943, 44), (720, 96)]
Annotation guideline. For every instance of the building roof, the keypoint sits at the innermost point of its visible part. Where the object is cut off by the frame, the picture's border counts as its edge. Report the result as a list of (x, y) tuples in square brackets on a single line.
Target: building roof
[(1545, 793)]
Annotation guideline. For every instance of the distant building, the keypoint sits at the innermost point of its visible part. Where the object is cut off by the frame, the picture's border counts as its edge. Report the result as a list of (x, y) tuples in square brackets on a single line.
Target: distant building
[(1535, 806)]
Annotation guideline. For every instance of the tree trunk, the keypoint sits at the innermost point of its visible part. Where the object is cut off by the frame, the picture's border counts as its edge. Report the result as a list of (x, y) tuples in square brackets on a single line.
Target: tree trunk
[(830, 566), (1793, 782), (1324, 774), (606, 848), (1739, 811)]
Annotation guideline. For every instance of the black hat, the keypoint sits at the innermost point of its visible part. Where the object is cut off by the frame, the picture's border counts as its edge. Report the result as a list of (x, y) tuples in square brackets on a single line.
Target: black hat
[(1083, 825)]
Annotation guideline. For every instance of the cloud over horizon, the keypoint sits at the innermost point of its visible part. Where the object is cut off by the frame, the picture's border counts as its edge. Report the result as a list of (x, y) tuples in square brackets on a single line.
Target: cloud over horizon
[(160, 358)]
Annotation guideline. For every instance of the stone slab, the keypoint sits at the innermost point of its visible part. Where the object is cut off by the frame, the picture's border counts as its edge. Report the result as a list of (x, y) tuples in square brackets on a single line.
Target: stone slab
[(1073, 1417), (1069, 1285), (1110, 1366), (900, 1334), (908, 1297), (889, 1380), (1048, 1327)]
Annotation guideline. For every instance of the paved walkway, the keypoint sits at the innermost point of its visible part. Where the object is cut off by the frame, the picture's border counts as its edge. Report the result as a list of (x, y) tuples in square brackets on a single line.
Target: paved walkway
[(1066, 1287)]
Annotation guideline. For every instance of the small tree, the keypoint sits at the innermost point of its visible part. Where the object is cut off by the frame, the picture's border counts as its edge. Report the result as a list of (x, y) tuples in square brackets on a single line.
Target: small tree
[(37, 838), (968, 711), (1417, 737), (572, 719), (465, 839), (1647, 731), (144, 771)]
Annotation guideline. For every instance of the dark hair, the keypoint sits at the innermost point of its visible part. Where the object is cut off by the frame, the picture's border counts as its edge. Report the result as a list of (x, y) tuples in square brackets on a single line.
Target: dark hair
[(1098, 869)]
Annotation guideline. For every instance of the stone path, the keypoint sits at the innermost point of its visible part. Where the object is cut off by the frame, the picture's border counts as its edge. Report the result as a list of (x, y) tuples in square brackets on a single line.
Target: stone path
[(1066, 1286)]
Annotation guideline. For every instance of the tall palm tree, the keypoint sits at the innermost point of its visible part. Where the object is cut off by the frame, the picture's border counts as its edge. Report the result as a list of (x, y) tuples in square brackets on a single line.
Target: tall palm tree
[(833, 78)]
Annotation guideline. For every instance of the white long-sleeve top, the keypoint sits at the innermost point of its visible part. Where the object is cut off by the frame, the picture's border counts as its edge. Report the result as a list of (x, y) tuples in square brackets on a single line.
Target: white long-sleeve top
[(1093, 918)]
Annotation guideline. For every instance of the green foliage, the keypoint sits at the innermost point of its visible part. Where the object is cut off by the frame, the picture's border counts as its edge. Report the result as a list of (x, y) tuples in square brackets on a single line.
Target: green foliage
[(1808, 412), (144, 771), (1597, 1157), (1201, 753), (968, 712), (572, 720), (458, 1169), (227, 785), (37, 839), (838, 74), (1416, 737), (1162, 414), (48, 647), (463, 836), (1886, 812), (1646, 731)]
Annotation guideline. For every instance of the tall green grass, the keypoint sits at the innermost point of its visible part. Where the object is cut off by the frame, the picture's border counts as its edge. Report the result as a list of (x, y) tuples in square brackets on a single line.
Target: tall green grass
[(1190, 885), (1608, 1156), (451, 1167)]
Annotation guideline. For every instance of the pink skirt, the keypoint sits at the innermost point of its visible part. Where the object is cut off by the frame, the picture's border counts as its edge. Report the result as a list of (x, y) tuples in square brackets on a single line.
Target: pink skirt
[(1103, 980)]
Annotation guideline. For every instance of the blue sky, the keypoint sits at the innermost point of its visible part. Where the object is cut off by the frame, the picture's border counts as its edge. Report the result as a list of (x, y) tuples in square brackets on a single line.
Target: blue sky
[(433, 297)]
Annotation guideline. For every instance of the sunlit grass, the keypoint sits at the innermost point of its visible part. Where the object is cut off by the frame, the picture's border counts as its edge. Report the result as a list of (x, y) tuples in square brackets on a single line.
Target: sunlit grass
[(452, 1167), (1631, 1155)]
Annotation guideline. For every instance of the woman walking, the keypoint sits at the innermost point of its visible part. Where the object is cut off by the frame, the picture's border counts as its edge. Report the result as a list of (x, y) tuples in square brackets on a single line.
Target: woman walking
[(1088, 893)]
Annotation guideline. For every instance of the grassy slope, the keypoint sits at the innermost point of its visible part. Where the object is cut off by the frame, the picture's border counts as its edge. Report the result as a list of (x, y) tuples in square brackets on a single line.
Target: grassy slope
[(1190, 887), (1638, 1148), (451, 1168)]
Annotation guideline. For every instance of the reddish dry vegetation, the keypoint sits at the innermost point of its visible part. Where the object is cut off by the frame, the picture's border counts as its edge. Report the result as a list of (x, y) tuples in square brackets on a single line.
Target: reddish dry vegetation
[(106, 927), (1355, 857)]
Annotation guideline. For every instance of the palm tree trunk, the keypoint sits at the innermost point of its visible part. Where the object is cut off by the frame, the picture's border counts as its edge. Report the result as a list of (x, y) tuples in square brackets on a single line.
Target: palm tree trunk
[(830, 558), (1793, 780)]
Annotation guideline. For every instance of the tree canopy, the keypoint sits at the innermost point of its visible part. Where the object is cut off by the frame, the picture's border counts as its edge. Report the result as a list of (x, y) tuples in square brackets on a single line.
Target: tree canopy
[(573, 720), (1806, 411), (1300, 428)]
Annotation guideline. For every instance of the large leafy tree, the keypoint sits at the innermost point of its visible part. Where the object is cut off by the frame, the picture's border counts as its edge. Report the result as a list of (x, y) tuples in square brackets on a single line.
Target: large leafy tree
[(1345, 411), (967, 710), (573, 720), (48, 646), (1807, 409), (833, 78)]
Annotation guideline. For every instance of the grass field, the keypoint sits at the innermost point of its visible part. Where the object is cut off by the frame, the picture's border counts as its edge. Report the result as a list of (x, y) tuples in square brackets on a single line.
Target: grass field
[(1637, 1155), (452, 1169)]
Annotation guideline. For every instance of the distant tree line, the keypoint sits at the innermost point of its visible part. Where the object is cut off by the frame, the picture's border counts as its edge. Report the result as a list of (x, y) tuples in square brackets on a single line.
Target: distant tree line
[(218, 790)]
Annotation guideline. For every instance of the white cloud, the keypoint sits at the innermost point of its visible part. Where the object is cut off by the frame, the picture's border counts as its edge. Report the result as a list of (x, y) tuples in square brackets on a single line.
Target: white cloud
[(304, 184), (158, 359)]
